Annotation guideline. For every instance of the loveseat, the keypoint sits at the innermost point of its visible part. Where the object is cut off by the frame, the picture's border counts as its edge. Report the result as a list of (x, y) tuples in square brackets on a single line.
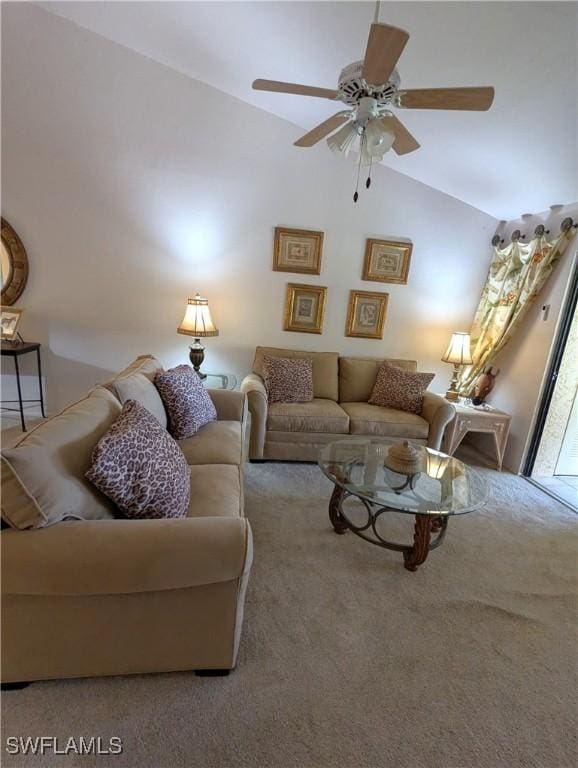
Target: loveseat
[(108, 596), (342, 387)]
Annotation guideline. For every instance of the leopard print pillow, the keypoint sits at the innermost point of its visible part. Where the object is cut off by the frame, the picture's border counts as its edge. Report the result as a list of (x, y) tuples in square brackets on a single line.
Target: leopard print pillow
[(397, 388), (288, 379), (187, 402), (139, 466)]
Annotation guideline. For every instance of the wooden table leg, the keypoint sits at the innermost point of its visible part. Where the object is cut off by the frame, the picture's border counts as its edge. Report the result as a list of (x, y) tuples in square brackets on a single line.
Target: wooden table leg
[(421, 539)]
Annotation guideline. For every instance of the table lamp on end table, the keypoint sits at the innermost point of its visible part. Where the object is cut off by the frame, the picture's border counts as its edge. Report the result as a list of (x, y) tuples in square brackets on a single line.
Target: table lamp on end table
[(459, 354), (197, 322)]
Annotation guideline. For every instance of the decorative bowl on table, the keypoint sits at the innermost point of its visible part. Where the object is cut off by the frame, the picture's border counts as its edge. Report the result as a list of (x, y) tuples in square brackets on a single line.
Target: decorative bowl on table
[(405, 458)]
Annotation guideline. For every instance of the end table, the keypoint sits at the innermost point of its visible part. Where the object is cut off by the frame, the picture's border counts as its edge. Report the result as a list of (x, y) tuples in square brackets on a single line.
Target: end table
[(220, 380), (471, 418), (15, 349)]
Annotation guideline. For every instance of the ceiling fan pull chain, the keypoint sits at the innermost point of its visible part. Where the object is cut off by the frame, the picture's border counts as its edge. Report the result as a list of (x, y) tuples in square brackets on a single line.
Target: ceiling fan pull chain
[(356, 193), (368, 182)]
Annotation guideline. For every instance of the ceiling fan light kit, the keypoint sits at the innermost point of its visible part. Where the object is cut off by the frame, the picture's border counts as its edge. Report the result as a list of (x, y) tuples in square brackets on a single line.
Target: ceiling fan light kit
[(371, 88)]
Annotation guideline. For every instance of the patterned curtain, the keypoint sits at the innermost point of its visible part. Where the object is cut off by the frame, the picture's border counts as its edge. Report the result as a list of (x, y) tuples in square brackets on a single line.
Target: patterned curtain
[(517, 274)]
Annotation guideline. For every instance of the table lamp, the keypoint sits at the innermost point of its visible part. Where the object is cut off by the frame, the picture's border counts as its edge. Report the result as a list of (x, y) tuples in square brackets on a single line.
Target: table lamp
[(197, 322), (459, 354)]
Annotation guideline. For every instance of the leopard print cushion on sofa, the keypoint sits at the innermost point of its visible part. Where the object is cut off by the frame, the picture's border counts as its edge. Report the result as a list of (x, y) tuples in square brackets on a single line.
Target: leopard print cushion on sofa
[(187, 402), (398, 388), (140, 467), (288, 379)]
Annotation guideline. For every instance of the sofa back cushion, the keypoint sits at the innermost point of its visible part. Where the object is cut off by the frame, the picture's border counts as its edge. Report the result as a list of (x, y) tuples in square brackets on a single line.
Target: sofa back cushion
[(325, 368), (357, 376), (147, 365), (43, 474), (137, 386)]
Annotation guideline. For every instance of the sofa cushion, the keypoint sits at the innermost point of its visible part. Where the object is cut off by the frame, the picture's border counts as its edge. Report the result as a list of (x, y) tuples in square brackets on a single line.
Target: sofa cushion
[(43, 478), (317, 416), (396, 388), (188, 404), (365, 419), (219, 442), (324, 368), (139, 387), (139, 466), (216, 491), (357, 376), (288, 379)]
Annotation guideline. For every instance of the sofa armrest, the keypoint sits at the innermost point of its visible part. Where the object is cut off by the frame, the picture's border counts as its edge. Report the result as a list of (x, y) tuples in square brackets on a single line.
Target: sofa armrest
[(438, 412), (230, 405), (254, 387), (93, 557)]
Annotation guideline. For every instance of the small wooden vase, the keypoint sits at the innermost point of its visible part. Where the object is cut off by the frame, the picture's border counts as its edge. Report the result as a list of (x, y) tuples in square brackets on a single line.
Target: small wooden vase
[(405, 458)]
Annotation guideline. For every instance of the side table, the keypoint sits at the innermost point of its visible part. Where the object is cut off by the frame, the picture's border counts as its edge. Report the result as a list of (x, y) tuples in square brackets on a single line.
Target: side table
[(220, 380), (470, 418), (15, 349)]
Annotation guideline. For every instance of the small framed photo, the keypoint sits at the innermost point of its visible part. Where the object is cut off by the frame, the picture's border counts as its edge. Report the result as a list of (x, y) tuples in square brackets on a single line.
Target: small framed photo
[(297, 250), (386, 261), (304, 308), (10, 317), (366, 314)]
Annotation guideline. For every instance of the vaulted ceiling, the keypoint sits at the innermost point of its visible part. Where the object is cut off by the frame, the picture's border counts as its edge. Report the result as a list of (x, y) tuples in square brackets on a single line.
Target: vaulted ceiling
[(520, 157)]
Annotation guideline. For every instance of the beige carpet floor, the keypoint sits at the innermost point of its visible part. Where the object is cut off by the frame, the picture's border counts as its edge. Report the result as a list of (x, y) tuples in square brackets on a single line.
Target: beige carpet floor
[(350, 661)]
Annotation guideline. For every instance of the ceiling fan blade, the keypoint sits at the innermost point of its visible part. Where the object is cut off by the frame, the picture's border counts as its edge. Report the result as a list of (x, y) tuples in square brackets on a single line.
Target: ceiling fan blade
[(479, 99), (276, 86), (384, 47), (404, 141), (322, 130)]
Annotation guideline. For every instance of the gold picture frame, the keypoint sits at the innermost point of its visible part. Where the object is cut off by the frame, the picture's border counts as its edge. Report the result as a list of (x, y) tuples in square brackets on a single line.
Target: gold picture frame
[(304, 308), (366, 314), (297, 250), (9, 321), (387, 261)]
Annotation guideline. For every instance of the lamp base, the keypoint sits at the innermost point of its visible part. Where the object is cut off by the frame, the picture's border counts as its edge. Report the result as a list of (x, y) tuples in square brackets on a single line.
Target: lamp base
[(196, 356), (452, 394)]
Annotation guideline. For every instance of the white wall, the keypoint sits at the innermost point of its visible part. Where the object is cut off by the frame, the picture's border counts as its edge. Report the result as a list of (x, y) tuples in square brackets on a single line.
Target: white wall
[(524, 360), (133, 186)]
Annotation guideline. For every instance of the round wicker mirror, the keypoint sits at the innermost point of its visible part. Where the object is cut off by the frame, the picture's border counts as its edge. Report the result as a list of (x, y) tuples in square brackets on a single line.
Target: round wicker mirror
[(13, 265)]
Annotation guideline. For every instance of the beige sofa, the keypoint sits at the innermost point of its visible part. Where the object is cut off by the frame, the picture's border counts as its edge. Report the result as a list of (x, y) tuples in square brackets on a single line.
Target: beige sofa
[(114, 596), (342, 386)]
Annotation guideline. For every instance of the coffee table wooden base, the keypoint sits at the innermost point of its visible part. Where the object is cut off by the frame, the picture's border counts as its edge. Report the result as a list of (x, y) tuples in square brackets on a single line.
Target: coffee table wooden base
[(413, 554)]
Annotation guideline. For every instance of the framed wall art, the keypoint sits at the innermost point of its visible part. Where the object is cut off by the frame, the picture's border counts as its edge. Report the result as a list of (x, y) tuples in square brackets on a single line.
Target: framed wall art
[(304, 308), (386, 261), (366, 314), (9, 319), (297, 250)]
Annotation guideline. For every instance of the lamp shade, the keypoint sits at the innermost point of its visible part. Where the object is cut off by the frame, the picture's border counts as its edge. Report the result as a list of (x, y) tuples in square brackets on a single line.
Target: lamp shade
[(458, 351), (197, 321)]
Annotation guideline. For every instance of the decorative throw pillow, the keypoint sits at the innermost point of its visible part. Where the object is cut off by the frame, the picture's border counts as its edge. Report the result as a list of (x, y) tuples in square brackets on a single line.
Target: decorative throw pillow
[(187, 402), (139, 466), (397, 388), (288, 379)]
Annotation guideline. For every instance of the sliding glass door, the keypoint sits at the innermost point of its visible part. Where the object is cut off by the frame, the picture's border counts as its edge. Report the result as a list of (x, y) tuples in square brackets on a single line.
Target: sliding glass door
[(552, 460)]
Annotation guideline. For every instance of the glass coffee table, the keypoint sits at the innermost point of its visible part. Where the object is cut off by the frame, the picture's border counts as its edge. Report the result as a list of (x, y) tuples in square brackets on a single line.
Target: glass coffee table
[(439, 487)]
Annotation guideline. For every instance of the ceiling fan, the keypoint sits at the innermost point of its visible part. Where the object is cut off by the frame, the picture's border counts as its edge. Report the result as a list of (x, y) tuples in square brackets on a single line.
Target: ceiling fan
[(370, 88)]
